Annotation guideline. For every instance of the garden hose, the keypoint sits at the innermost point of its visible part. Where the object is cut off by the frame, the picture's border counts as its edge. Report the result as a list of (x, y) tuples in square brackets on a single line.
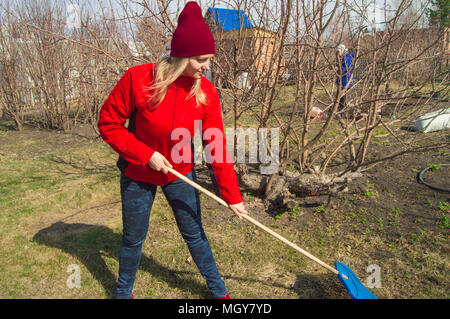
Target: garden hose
[(432, 186)]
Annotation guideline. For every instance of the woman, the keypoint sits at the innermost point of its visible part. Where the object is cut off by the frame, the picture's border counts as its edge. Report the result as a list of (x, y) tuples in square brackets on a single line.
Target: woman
[(157, 99), (345, 72)]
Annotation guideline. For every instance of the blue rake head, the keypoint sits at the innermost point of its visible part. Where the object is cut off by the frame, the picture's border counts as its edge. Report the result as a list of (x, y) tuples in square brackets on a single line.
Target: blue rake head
[(354, 287)]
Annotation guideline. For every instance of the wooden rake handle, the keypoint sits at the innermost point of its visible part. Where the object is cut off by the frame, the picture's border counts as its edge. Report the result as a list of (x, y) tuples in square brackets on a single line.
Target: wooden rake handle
[(253, 221)]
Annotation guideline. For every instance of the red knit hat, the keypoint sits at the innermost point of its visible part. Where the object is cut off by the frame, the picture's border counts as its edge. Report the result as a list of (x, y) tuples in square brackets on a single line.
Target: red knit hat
[(192, 36)]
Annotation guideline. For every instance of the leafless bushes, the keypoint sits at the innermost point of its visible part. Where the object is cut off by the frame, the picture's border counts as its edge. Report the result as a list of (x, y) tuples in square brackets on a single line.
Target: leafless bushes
[(394, 68), (270, 75), (60, 75)]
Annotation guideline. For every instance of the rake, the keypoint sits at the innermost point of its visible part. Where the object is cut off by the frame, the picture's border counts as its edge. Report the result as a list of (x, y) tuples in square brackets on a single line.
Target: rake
[(345, 275)]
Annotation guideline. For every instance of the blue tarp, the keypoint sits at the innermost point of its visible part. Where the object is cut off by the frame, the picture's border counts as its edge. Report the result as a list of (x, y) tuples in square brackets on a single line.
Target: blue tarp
[(228, 19)]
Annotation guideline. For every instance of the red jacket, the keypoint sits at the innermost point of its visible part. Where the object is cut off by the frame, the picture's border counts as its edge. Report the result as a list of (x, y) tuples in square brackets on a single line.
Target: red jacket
[(149, 131)]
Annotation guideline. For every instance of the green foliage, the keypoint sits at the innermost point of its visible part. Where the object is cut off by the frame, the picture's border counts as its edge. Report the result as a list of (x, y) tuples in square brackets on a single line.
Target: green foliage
[(439, 15), (294, 212), (368, 193), (250, 196), (434, 167), (380, 224), (396, 213), (320, 209), (444, 221), (279, 215), (444, 206)]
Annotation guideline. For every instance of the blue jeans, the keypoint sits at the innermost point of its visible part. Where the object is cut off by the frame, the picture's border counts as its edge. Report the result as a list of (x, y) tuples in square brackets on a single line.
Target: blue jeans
[(137, 201)]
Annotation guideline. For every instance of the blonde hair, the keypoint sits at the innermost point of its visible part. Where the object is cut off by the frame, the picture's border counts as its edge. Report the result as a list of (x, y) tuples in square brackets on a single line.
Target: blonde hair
[(166, 71)]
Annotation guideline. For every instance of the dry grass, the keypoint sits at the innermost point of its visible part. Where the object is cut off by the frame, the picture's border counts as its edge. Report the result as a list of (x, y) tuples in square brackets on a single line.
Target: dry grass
[(59, 206)]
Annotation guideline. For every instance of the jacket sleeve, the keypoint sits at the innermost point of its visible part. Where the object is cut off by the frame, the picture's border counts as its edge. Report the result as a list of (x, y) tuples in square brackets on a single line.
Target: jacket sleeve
[(215, 145), (119, 107)]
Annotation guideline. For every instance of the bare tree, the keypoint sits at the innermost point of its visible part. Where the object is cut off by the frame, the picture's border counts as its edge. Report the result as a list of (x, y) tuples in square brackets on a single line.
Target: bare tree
[(11, 83), (380, 100), (275, 68)]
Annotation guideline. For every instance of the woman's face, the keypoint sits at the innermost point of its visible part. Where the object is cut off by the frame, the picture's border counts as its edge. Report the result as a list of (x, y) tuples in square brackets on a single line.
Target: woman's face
[(197, 65)]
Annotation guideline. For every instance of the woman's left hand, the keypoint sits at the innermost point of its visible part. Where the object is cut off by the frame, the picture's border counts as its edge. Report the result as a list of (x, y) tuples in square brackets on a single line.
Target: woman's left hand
[(239, 209)]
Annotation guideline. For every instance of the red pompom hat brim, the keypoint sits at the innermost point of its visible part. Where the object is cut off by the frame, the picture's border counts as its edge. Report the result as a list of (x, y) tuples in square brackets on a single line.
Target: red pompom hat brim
[(192, 37)]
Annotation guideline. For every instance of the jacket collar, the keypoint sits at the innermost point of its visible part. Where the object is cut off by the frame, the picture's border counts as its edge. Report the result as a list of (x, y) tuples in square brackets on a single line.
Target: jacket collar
[(184, 82)]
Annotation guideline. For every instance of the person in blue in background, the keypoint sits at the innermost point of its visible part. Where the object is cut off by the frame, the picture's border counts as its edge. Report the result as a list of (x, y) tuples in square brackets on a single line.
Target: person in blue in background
[(345, 71)]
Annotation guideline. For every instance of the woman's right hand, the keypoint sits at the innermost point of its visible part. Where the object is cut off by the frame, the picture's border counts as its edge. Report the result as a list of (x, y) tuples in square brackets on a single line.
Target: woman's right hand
[(159, 163)]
